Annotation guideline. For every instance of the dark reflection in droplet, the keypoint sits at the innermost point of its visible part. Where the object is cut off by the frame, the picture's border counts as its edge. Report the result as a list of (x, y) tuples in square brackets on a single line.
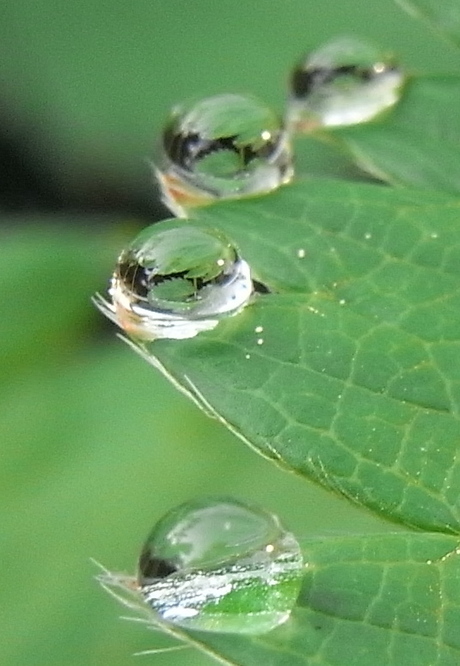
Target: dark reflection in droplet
[(152, 567)]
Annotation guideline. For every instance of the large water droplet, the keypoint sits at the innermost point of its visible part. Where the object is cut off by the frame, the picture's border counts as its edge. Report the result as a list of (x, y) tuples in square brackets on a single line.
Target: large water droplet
[(222, 147), (175, 280), (344, 82), (220, 565)]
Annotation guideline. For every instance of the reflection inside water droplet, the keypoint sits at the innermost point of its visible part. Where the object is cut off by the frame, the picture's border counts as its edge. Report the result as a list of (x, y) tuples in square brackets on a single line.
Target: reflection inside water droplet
[(346, 81), (219, 147), (175, 280), (220, 565)]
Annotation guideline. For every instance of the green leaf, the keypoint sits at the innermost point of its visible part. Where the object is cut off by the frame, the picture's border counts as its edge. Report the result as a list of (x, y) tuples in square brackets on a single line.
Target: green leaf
[(418, 142), (348, 372), (95, 448), (381, 600), (442, 15)]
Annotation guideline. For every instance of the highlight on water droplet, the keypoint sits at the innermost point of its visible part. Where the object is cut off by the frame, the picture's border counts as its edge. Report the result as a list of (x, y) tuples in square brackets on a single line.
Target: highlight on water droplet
[(224, 146), (216, 564), (344, 82), (175, 280)]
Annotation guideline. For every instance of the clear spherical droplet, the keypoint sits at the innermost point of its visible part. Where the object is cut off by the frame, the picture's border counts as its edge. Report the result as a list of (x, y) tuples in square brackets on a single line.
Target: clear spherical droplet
[(222, 147), (220, 565), (346, 81), (175, 280)]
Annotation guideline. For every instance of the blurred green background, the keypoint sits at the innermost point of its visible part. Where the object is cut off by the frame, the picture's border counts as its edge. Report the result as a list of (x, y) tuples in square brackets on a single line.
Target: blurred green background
[(95, 444)]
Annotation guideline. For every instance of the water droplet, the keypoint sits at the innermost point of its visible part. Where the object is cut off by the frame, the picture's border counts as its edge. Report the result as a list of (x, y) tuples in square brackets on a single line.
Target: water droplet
[(346, 81), (301, 253), (260, 341), (222, 147), (259, 329), (175, 280), (220, 565)]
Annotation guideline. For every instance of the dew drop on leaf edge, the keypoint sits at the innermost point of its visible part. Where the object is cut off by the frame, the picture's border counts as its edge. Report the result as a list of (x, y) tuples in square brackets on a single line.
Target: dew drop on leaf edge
[(225, 146), (175, 280), (344, 82), (217, 564)]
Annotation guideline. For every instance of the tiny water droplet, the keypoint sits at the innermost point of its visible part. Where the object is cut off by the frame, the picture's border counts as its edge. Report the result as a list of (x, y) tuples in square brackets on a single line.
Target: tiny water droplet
[(220, 565), (344, 82), (224, 146), (259, 329), (301, 253), (175, 280), (260, 341)]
